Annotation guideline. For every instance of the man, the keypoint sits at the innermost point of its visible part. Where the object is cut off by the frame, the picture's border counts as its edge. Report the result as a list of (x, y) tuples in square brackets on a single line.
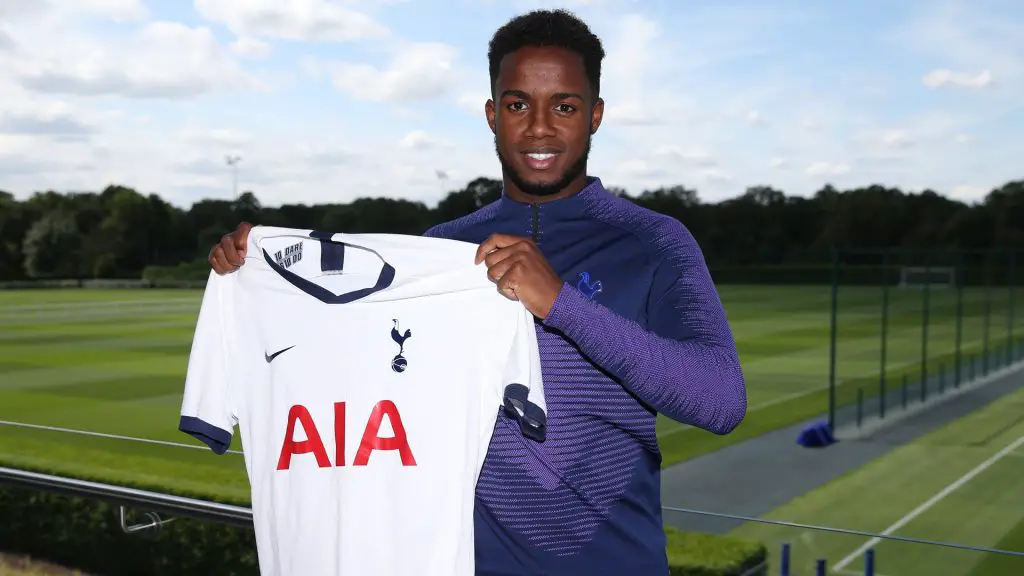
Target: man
[(628, 320)]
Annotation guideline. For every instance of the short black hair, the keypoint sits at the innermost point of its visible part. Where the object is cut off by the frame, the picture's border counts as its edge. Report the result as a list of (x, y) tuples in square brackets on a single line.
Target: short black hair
[(556, 28)]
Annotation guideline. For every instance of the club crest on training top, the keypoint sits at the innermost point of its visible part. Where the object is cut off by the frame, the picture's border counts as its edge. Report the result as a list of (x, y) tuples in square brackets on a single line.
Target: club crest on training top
[(399, 363), (588, 288)]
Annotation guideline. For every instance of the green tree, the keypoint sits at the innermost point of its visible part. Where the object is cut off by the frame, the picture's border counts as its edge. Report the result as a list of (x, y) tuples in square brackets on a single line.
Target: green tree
[(52, 246)]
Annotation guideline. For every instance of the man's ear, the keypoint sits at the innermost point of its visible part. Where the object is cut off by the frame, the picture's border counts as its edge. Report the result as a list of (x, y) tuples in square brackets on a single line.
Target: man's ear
[(596, 114), (489, 112)]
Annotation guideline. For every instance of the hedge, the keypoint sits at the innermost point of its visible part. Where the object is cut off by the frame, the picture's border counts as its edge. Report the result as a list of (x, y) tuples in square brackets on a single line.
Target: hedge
[(195, 271), (85, 534), (699, 554)]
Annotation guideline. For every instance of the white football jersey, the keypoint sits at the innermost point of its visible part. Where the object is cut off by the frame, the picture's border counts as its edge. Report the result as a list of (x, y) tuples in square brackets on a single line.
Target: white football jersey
[(364, 373)]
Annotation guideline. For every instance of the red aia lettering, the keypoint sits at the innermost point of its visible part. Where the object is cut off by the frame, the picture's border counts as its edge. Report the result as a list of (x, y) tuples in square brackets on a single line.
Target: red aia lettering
[(298, 413), (370, 440)]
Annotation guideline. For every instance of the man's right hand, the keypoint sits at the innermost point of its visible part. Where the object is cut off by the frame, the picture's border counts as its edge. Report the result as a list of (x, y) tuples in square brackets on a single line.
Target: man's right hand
[(228, 255)]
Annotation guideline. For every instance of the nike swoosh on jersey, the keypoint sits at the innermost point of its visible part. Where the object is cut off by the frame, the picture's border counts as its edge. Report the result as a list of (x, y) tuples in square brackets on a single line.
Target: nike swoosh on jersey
[(270, 357)]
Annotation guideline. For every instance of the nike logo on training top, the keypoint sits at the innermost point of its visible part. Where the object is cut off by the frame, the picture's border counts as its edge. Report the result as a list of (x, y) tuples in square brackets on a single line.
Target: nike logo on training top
[(270, 357)]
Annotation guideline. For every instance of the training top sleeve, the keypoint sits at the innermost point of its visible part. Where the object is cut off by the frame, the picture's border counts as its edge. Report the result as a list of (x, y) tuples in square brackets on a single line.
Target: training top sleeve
[(207, 410), (524, 387)]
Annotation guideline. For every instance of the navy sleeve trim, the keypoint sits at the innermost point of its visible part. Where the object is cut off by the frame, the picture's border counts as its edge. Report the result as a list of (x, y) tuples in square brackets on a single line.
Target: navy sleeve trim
[(532, 419), (216, 438)]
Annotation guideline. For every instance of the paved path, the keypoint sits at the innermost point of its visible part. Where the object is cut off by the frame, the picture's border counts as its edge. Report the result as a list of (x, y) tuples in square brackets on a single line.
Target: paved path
[(758, 475)]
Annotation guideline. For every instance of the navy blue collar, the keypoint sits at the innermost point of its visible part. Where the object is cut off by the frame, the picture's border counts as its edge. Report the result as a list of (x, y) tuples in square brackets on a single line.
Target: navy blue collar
[(332, 259), (570, 207)]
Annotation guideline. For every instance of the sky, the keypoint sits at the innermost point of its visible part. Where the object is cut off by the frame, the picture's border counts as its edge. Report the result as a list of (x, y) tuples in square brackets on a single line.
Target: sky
[(331, 100)]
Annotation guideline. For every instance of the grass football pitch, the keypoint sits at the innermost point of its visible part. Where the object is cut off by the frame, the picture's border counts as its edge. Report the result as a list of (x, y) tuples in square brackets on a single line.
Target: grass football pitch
[(959, 484), (91, 380)]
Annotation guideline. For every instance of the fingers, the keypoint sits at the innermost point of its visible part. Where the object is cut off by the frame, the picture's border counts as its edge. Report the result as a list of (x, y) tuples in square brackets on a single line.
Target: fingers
[(504, 256), (496, 242), (224, 257), (231, 255), (217, 262), (507, 272), (241, 236), (497, 255), (498, 269), (228, 255), (508, 283)]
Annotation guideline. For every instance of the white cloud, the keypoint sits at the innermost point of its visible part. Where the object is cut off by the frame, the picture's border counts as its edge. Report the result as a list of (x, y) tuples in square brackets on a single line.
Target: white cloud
[(714, 175), (943, 77), (640, 169), (976, 45), (250, 48), (692, 156), (296, 20), (419, 140), (473, 102), (60, 125), (97, 92), (158, 60), (969, 193), (418, 71), (810, 125), (827, 169), (896, 138), (116, 10), (65, 10)]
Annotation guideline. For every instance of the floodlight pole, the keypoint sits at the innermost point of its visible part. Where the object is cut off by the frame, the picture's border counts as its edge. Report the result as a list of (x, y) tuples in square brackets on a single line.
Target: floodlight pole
[(233, 161), (442, 177)]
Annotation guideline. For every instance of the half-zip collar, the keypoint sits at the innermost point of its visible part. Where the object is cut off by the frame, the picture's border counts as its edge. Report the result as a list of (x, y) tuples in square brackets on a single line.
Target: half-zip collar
[(536, 217)]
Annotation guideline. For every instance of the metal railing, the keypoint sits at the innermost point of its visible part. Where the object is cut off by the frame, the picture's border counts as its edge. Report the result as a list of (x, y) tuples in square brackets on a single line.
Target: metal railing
[(157, 502), (154, 502)]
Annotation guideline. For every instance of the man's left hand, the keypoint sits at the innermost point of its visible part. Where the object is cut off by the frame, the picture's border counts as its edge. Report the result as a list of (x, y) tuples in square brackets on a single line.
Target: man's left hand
[(521, 272)]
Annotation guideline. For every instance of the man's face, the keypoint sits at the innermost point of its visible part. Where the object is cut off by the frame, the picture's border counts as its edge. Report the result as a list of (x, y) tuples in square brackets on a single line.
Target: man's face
[(543, 116)]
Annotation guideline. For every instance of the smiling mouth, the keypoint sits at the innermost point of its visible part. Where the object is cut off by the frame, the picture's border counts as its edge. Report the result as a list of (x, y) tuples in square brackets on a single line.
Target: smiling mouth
[(541, 160)]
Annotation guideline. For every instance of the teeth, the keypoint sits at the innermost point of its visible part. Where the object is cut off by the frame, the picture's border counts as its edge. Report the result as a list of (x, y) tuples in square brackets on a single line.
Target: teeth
[(541, 156)]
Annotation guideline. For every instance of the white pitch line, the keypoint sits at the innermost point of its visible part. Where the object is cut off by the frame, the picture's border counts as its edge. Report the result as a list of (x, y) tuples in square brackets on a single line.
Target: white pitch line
[(109, 436), (938, 497)]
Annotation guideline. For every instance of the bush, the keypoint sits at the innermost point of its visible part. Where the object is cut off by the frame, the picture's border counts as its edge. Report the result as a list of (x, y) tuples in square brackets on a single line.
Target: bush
[(698, 554), (195, 271), (85, 534)]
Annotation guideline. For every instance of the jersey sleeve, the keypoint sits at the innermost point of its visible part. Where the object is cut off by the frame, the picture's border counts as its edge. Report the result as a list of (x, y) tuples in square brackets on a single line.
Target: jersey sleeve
[(523, 384), (207, 411)]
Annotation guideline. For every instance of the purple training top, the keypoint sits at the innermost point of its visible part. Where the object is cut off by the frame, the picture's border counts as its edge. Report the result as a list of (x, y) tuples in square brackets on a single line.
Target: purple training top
[(637, 329)]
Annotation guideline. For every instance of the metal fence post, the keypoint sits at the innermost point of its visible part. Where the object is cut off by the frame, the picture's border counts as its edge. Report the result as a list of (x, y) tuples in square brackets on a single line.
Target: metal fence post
[(959, 279), (832, 342), (1010, 281), (925, 305), (885, 332), (988, 312)]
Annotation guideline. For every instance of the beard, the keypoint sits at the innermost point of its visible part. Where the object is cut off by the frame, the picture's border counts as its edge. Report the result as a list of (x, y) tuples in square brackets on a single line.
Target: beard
[(541, 189)]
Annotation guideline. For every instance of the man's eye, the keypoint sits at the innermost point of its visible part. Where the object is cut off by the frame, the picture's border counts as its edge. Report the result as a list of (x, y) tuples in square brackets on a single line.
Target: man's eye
[(516, 106)]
